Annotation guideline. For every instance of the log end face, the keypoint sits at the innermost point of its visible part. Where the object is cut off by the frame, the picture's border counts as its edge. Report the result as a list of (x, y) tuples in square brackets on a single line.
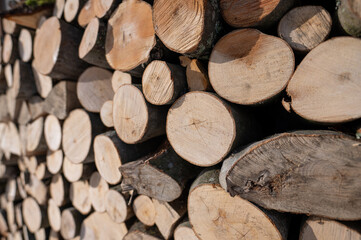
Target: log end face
[(68, 224), (116, 206), (52, 132), (144, 210), (32, 214), (90, 37)]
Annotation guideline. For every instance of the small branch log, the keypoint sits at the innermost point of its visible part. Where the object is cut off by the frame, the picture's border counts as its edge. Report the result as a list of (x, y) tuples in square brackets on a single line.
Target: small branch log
[(98, 189), (71, 221), (144, 210), (8, 71), (34, 215), (52, 132), (21, 188), (44, 84), (106, 114), (140, 231), (59, 190), (71, 9), (54, 161), (104, 8), (11, 190), (3, 223), (349, 17), (42, 172), (10, 49), (19, 214), (120, 78), (26, 44), (77, 171), (10, 216), (79, 196)]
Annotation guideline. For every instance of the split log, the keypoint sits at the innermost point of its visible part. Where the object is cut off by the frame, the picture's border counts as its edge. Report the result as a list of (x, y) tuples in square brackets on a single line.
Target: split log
[(94, 88), (197, 77), (116, 154), (291, 178), (257, 66), (161, 175), (207, 199), (328, 93), (59, 190), (140, 231), (19, 214), (23, 78), (24, 114), (120, 78), (79, 130), (71, 221), (26, 44), (349, 16), (42, 172), (36, 107), (35, 188), (62, 99), (10, 27), (79, 196), (203, 129), (187, 27), (54, 161), (144, 210), (8, 71), (35, 144), (135, 120), (98, 189), (59, 8), (106, 113), (10, 49), (76, 171), (55, 43), (52, 132), (261, 13), (34, 215), (86, 14), (321, 228), (100, 226), (184, 231), (43, 83), (116, 206), (71, 9), (54, 215), (163, 83), (91, 48)]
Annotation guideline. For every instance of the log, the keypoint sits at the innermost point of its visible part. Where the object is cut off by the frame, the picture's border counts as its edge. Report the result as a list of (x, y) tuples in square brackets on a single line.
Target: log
[(258, 68), (54, 161), (261, 13), (21, 188), (36, 188), (4, 112), (10, 27), (100, 226), (59, 8), (3, 223), (106, 113), (42, 172), (104, 8), (59, 190), (306, 180), (54, 215), (43, 83), (34, 215), (184, 231), (11, 141), (35, 144), (92, 45), (36, 107), (98, 189), (76, 171), (26, 44), (62, 99), (94, 88), (79, 130), (116, 206), (10, 49), (8, 71), (55, 43), (10, 216), (42, 234), (13, 104), (197, 76), (140, 231), (24, 114), (79, 196), (52, 132), (55, 235), (203, 129), (71, 9), (212, 217), (319, 93), (349, 17), (86, 14), (120, 78), (135, 120), (11, 190), (163, 83), (71, 221), (161, 175), (3, 83), (116, 154), (31, 163), (27, 235), (321, 228), (19, 214), (144, 210), (23, 80), (172, 21)]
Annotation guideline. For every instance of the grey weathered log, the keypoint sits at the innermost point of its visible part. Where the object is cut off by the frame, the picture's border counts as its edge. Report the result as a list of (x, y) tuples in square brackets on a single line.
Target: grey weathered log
[(349, 16)]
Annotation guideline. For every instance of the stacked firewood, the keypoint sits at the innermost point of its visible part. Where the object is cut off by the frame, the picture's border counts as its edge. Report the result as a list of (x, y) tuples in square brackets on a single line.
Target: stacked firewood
[(174, 119)]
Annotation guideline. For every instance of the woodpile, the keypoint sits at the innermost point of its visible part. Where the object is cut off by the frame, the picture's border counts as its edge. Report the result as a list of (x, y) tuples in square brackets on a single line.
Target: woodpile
[(184, 120)]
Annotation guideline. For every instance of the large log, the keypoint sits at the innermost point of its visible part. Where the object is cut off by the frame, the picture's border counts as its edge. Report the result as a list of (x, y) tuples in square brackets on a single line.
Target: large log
[(291, 172), (144, 210), (52, 132), (34, 215), (325, 84), (26, 44), (98, 189), (79, 196), (349, 16)]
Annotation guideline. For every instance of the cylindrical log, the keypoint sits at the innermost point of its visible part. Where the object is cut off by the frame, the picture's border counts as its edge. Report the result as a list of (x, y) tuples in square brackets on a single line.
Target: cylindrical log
[(71, 221), (42, 234), (140, 231), (144, 210), (197, 76), (91, 47), (11, 141), (36, 107), (8, 71), (54, 161), (59, 8), (52, 132), (27, 235), (34, 215), (98, 189), (36, 188), (59, 190), (4, 111), (116, 206), (257, 66), (75, 171), (86, 14), (55, 43), (56, 235), (13, 104), (19, 214), (104, 8), (24, 115), (71, 9), (106, 113), (43, 83), (163, 83), (10, 49), (325, 84), (184, 231), (54, 215), (21, 188), (10, 27), (212, 218), (11, 190), (349, 16), (135, 120), (94, 88), (35, 144), (10, 216), (120, 78), (26, 44), (42, 172), (23, 78), (79, 196), (116, 154)]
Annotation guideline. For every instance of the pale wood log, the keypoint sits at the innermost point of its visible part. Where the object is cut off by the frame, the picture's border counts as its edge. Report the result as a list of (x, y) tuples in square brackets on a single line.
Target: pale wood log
[(34, 215), (184, 231), (35, 144), (8, 71), (10, 27), (59, 190), (321, 228), (43, 83), (116, 206), (24, 114), (106, 113), (257, 70), (94, 88), (36, 107), (23, 78), (21, 188), (208, 199), (203, 129), (148, 121), (330, 155), (11, 141), (86, 14), (10, 49), (187, 27), (13, 104), (11, 190), (79, 196), (76, 171), (52, 132), (35, 188), (163, 83), (26, 44), (27, 235), (61, 41), (98, 189), (100, 226), (261, 13), (72, 8), (54, 161), (144, 210), (120, 78), (42, 234), (31, 20), (3, 203), (58, 8), (71, 221), (18, 214), (54, 215), (140, 231), (349, 16), (32, 162), (10, 217), (104, 8), (197, 77), (328, 76), (42, 172), (79, 130), (62, 99), (3, 223), (116, 154), (91, 48)]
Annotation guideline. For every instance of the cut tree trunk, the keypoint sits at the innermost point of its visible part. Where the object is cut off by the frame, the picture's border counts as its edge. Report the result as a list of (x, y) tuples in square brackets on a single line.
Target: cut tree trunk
[(86, 14), (288, 169), (98, 189), (34, 215), (140, 231), (19, 214), (23, 80), (26, 44), (59, 8), (197, 76), (349, 16), (208, 199), (35, 141), (187, 27), (10, 217), (71, 221), (42, 172), (36, 107), (10, 49), (43, 83), (8, 71), (71, 9), (117, 207), (106, 113), (257, 66), (54, 215), (10, 27), (24, 114), (79, 196), (55, 43), (59, 190), (104, 8), (144, 210), (325, 84), (184, 231), (77, 171), (120, 78), (54, 161), (52, 132), (11, 190)]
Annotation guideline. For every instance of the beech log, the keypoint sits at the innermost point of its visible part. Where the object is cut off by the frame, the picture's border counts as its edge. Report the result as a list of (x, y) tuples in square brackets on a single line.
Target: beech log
[(43, 83)]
